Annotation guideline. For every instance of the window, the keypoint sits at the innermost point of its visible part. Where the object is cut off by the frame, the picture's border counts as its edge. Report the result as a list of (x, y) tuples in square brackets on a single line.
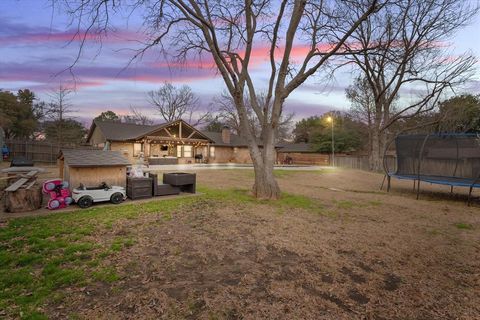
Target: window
[(137, 149), (212, 152), (179, 151), (187, 151)]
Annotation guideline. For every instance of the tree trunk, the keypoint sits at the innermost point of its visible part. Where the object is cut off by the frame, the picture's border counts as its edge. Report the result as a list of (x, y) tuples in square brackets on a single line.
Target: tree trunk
[(265, 186), (375, 155), (377, 150)]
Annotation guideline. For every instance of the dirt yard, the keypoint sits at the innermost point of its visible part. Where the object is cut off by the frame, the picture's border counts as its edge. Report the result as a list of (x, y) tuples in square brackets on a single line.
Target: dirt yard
[(334, 247)]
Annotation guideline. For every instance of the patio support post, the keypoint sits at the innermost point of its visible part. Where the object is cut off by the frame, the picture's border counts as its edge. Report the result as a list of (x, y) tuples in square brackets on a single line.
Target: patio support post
[(146, 149)]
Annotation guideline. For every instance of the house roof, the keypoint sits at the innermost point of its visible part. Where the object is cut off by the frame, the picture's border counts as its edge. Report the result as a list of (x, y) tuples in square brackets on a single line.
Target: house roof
[(235, 140), (93, 158), (120, 131), (300, 147)]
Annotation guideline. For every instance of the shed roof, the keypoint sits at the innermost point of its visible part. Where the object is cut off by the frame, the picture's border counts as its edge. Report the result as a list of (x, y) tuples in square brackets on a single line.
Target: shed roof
[(93, 158)]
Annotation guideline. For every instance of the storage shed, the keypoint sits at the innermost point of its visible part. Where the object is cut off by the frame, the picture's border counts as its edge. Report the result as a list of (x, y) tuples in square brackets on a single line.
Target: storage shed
[(91, 167)]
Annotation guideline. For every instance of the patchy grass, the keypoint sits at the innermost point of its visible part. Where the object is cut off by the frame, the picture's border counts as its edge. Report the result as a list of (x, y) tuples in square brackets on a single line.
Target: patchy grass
[(464, 226), (40, 255), (374, 203), (344, 204), (284, 173), (286, 201), (327, 247), (106, 274)]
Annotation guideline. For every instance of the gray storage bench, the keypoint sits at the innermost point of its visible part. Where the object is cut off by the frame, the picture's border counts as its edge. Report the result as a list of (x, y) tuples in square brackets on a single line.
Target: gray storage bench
[(162, 189)]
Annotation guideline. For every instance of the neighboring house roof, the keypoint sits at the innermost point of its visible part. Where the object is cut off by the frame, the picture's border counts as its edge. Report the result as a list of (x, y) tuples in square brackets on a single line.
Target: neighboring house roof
[(93, 158), (300, 147)]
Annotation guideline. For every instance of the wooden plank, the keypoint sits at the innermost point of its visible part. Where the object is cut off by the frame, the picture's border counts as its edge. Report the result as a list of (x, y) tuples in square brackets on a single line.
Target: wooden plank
[(156, 138), (31, 174), (168, 132), (30, 184), (16, 185), (22, 169)]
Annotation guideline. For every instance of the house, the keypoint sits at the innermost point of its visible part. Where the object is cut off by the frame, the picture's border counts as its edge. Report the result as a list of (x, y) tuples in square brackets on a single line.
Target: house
[(91, 167), (169, 143), (301, 153)]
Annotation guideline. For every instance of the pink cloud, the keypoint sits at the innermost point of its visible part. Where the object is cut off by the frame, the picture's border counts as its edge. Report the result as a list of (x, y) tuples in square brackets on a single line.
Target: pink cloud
[(67, 36), (260, 55)]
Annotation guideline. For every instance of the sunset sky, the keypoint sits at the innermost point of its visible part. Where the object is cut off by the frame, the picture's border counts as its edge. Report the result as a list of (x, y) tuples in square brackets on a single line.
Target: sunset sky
[(35, 51)]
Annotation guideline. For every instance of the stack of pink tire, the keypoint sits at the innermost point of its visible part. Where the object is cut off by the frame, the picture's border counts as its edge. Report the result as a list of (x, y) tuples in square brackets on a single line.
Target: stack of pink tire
[(60, 196)]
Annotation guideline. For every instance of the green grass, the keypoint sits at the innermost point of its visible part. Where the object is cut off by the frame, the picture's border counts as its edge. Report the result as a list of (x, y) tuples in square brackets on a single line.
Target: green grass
[(106, 274), (464, 226), (39, 256)]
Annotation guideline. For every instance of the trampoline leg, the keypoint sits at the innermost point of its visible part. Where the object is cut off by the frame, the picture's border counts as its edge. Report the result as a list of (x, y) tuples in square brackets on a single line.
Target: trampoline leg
[(451, 189), (388, 183), (469, 196), (383, 182), (413, 185), (418, 189)]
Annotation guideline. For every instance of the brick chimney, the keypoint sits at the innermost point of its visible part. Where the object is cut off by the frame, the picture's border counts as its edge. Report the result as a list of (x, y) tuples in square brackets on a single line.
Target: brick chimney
[(226, 135)]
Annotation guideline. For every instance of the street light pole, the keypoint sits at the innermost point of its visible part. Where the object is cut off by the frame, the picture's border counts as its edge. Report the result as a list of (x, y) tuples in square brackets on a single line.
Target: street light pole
[(330, 119), (333, 146)]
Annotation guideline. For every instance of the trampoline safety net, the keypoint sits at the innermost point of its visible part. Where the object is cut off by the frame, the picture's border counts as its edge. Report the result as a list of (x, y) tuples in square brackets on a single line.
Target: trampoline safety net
[(450, 159)]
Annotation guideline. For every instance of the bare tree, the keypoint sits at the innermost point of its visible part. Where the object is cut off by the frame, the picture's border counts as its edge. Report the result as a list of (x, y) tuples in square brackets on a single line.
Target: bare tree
[(227, 113), (60, 105), (229, 32), (362, 106), (224, 106), (174, 103), (405, 48), (57, 112), (138, 117)]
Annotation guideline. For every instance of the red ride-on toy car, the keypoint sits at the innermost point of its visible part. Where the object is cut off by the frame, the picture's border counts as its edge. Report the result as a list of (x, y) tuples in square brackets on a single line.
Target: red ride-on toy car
[(60, 195)]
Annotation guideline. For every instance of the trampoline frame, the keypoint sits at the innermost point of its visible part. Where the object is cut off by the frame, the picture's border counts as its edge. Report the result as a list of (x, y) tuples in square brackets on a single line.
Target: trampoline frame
[(440, 179)]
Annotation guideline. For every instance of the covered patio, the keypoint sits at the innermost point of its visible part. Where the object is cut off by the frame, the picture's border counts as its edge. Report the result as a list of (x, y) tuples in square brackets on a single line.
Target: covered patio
[(174, 143)]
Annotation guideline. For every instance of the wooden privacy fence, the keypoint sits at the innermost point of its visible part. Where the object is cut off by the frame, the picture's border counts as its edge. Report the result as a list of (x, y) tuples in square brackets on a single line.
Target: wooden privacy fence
[(361, 162), (303, 158), (39, 151)]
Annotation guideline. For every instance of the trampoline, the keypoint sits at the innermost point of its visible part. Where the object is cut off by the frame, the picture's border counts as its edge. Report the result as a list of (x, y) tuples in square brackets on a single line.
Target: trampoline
[(451, 159)]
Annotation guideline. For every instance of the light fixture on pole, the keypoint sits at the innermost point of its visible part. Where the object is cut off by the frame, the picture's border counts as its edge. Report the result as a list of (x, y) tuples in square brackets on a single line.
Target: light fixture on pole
[(330, 120)]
